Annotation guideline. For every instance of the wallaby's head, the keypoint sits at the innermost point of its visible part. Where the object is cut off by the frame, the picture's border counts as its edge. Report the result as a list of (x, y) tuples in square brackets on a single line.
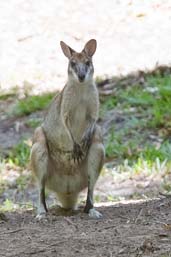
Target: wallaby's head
[(80, 66)]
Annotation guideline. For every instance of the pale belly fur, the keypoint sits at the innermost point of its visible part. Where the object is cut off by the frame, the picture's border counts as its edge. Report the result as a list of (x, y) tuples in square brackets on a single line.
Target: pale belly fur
[(66, 176)]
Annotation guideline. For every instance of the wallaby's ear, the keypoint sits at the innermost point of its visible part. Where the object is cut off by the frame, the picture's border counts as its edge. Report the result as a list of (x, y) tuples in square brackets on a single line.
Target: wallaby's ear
[(68, 51), (90, 47)]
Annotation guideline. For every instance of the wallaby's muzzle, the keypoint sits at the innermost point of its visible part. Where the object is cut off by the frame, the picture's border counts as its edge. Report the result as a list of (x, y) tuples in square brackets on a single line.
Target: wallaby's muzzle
[(81, 77), (81, 72)]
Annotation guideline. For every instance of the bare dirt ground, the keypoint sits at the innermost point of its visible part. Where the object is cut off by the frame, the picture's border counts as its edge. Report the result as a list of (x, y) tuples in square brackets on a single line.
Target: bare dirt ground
[(134, 229)]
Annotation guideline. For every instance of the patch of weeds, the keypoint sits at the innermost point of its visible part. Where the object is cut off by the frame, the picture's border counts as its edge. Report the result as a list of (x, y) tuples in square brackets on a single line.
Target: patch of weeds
[(19, 155), (97, 198), (31, 104), (136, 196), (109, 104), (112, 198), (2, 186), (6, 96), (33, 123), (7, 205), (13, 92), (151, 152), (167, 186), (22, 182), (118, 148), (146, 111), (136, 96), (127, 144), (144, 168), (161, 111), (113, 145), (134, 124), (2, 182)]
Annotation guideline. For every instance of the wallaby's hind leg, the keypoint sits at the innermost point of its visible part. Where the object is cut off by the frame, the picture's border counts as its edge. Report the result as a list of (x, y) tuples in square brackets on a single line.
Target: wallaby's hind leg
[(95, 160), (42, 208), (39, 165)]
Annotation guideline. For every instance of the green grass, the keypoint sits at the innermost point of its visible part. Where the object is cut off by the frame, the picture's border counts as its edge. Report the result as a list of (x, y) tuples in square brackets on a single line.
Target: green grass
[(19, 155), (6, 96), (31, 104), (7, 205), (10, 206), (150, 152), (22, 181), (146, 111), (136, 97), (33, 123)]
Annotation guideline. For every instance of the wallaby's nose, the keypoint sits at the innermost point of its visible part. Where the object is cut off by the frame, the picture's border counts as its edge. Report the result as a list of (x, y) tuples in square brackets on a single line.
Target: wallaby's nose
[(81, 77)]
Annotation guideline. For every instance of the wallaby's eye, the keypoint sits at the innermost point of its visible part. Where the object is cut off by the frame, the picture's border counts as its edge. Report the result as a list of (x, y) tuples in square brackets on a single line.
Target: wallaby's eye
[(73, 63), (88, 63)]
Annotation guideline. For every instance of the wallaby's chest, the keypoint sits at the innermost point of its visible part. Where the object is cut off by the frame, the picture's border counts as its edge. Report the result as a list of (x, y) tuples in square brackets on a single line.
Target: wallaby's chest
[(78, 117)]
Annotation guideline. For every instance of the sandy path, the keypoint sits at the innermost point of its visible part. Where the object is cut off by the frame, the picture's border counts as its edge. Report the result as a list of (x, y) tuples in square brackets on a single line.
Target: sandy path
[(131, 35)]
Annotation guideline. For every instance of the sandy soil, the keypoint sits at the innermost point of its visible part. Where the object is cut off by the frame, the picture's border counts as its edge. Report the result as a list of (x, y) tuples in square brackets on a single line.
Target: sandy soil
[(134, 229), (131, 35)]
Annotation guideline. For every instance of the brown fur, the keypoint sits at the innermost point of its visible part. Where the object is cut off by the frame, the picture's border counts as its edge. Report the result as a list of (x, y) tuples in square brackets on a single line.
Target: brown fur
[(67, 153)]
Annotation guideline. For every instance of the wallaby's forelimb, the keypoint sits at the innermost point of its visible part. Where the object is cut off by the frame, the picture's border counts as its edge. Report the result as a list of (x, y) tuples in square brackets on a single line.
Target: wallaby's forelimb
[(77, 154), (88, 135)]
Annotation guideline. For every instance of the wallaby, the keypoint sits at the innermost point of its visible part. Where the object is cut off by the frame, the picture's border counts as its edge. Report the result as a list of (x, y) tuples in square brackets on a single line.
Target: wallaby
[(68, 153)]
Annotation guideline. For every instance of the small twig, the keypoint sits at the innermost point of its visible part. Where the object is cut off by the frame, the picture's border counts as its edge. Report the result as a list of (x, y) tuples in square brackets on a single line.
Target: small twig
[(38, 251), (57, 243), (16, 230), (47, 248), (139, 214), (12, 231), (69, 221), (122, 217), (108, 227)]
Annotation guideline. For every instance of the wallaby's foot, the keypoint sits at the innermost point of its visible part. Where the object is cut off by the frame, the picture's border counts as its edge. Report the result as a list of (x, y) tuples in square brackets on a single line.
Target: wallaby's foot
[(93, 213), (41, 216), (42, 213)]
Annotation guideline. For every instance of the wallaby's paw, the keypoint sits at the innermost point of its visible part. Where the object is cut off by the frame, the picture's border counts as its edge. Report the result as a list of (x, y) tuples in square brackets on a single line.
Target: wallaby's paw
[(41, 216), (87, 138), (77, 153), (94, 214)]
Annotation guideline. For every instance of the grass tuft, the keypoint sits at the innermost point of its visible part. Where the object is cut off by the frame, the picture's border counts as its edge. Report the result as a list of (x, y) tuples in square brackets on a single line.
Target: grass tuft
[(31, 104), (19, 155), (146, 129)]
